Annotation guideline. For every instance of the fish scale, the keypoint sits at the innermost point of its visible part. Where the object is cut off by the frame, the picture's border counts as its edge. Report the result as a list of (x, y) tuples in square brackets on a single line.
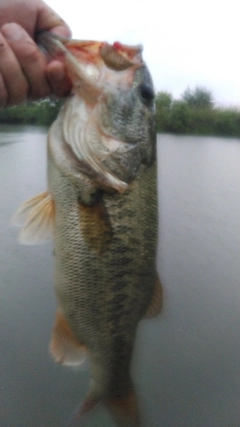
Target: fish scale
[(86, 272)]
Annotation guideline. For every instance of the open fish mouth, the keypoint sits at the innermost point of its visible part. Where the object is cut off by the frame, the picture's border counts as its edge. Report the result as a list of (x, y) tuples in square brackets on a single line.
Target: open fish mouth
[(92, 66), (116, 56), (100, 73)]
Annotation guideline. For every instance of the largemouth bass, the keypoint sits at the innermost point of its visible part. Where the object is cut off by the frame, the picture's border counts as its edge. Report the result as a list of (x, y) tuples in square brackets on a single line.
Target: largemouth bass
[(101, 208)]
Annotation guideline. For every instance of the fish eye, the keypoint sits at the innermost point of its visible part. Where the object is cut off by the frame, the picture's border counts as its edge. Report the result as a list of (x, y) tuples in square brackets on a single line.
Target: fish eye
[(146, 93)]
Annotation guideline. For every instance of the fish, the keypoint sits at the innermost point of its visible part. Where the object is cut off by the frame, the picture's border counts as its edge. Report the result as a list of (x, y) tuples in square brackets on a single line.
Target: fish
[(100, 209)]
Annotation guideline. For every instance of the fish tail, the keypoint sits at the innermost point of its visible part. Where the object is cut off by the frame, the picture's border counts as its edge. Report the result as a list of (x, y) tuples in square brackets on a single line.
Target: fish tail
[(81, 410), (123, 410)]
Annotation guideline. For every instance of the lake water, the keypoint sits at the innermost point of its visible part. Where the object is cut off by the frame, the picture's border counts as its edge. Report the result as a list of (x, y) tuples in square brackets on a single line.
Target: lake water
[(186, 364)]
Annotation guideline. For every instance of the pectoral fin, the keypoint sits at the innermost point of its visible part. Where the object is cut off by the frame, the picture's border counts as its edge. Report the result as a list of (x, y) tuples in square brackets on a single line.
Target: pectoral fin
[(64, 346), (155, 306), (95, 226), (36, 216)]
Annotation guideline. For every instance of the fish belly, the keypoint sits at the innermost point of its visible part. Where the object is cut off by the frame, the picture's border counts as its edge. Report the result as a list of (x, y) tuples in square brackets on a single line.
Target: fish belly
[(105, 262)]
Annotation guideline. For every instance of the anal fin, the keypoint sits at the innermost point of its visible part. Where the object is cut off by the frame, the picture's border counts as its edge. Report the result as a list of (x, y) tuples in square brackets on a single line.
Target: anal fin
[(64, 346), (36, 216), (155, 306)]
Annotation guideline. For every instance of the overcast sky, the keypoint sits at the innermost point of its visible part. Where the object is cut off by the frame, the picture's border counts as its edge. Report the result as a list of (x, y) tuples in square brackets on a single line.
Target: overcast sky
[(186, 42)]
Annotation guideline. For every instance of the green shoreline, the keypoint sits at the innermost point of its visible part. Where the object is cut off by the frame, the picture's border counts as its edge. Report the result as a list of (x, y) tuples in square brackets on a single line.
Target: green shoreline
[(195, 113)]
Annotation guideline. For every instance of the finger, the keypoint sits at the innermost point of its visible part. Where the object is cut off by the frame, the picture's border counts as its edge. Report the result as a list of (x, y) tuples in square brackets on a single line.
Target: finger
[(3, 93), (59, 83), (14, 85), (30, 58), (49, 20)]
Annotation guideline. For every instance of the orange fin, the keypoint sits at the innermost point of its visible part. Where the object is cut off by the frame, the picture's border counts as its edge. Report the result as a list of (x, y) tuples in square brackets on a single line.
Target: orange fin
[(64, 346), (155, 306), (36, 216), (95, 226)]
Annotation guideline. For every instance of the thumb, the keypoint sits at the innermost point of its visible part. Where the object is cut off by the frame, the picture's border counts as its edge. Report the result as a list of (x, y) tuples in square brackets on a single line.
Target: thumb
[(49, 20)]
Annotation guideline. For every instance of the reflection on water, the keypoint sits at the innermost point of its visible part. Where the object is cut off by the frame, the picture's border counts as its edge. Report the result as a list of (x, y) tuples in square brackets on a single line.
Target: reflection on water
[(186, 364), (12, 134)]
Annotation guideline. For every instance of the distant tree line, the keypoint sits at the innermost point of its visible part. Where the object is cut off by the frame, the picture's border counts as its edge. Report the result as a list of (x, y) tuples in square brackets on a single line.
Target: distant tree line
[(195, 113), (41, 113)]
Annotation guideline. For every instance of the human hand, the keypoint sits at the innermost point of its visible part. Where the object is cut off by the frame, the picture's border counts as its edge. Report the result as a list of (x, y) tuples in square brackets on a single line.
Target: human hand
[(24, 71)]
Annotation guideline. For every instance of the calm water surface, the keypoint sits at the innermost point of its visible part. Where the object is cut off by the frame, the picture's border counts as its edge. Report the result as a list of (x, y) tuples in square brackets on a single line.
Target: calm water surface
[(186, 365)]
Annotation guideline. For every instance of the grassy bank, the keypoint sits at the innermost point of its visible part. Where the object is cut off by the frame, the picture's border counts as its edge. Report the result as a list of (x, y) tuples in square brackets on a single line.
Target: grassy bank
[(41, 113), (195, 113)]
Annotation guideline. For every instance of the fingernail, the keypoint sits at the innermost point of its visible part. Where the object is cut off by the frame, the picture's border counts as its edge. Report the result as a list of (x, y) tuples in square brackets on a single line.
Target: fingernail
[(12, 31)]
